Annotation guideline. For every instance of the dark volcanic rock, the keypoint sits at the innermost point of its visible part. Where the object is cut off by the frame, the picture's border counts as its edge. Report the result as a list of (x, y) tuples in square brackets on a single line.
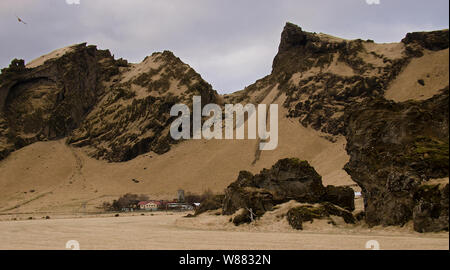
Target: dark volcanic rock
[(434, 40), (296, 46), (292, 37), (134, 117), (114, 110), (342, 196), (394, 148), (318, 100), (289, 179), (431, 211), (257, 199), (212, 203), (296, 216), (51, 100), (243, 217)]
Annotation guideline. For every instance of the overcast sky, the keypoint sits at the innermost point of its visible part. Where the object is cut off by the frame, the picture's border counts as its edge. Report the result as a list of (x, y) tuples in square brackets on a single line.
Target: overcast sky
[(231, 43)]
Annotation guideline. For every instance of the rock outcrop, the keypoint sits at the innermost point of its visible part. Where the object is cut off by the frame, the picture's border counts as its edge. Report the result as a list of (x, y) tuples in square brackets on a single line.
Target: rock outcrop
[(434, 40), (343, 196), (112, 109), (430, 213), (289, 179), (134, 117), (212, 203), (307, 213), (321, 75), (51, 100), (395, 148)]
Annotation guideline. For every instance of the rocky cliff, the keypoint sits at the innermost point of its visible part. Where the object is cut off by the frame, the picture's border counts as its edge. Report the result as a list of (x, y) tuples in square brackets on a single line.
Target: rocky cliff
[(134, 116), (114, 109), (51, 100), (338, 87), (321, 75), (395, 149)]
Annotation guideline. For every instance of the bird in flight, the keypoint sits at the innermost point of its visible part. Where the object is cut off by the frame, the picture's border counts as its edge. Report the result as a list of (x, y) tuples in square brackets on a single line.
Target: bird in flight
[(20, 20)]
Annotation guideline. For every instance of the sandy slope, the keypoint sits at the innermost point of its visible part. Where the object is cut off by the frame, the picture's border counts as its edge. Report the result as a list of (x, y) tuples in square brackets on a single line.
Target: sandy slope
[(163, 231), (432, 68), (52, 55)]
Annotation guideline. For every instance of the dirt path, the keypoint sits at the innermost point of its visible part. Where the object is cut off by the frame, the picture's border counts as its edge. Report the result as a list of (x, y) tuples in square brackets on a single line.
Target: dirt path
[(160, 232)]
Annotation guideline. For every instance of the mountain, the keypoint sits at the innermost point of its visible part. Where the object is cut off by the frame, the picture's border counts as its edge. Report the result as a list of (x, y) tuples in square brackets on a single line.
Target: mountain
[(78, 126), (117, 110)]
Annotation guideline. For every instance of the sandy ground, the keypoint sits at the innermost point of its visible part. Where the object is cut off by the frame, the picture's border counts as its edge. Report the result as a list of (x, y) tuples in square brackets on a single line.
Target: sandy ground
[(173, 231)]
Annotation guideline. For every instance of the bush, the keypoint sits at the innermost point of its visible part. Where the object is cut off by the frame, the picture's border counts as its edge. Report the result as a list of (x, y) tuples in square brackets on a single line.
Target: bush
[(191, 198), (126, 201)]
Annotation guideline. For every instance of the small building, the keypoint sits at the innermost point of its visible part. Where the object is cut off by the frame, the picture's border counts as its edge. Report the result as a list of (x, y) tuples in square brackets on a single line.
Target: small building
[(187, 207), (149, 205)]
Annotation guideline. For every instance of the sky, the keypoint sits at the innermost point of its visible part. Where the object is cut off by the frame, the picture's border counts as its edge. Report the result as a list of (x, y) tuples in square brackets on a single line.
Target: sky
[(231, 43)]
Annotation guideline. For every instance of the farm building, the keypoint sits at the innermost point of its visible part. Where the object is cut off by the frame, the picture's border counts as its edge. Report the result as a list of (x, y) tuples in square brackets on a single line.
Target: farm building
[(149, 205)]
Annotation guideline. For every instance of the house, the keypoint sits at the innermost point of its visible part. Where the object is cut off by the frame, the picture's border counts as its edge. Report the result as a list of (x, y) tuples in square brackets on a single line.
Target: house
[(149, 205)]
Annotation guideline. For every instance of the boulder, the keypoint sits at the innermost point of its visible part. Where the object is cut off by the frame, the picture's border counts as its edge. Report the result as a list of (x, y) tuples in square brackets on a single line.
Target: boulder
[(211, 203), (343, 196), (297, 215), (242, 217), (257, 199), (289, 179)]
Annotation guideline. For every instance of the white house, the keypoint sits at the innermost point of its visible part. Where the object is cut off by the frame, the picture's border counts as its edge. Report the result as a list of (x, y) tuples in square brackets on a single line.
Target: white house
[(148, 205)]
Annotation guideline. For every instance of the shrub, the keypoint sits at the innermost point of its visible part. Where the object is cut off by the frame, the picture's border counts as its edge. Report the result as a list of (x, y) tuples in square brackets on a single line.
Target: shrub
[(126, 201), (191, 198)]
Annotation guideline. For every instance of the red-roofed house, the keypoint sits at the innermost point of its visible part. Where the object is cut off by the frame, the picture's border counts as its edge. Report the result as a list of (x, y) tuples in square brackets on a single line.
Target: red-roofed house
[(149, 205)]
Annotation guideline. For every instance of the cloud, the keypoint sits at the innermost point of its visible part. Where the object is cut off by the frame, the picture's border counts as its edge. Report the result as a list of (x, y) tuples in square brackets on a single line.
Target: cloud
[(230, 43)]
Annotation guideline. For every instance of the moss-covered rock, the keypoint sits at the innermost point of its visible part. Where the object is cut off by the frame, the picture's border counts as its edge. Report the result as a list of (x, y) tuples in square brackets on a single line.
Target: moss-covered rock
[(288, 179), (307, 213), (394, 148), (434, 40), (243, 217), (342, 196), (212, 203), (431, 211), (51, 100)]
